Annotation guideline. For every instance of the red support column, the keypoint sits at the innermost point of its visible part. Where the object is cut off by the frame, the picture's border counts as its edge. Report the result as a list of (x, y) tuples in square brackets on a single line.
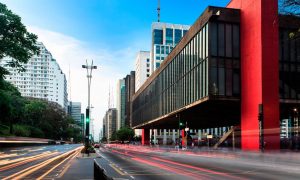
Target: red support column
[(182, 138), (259, 71), (145, 136)]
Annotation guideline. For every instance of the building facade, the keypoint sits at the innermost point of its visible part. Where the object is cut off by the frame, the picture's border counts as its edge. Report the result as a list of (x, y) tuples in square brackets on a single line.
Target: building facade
[(142, 68), (237, 59), (42, 78), (165, 37), (129, 92), (120, 95), (74, 110), (110, 123)]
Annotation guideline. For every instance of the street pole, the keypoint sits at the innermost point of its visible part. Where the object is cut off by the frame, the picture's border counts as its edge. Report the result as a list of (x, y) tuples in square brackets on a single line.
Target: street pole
[(261, 126), (89, 70)]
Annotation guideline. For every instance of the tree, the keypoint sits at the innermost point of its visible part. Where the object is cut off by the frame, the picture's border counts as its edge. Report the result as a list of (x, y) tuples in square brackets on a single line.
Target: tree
[(289, 7), (15, 41), (125, 134)]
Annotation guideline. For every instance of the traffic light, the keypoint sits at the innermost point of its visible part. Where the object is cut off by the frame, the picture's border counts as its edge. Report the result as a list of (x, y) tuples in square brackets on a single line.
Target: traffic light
[(181, 125), (87, 115)]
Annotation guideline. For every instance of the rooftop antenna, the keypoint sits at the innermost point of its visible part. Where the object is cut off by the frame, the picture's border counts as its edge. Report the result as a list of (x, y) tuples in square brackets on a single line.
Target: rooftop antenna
[(158, 11), (109, 96), (112, 97), (70, 83)]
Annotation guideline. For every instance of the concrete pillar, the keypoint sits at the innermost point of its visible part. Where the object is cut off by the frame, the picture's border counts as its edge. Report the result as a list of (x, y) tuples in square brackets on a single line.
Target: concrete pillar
[(155, 135), (145, 136), (199, 134), (165, 137), (259, 74), (173, 136)]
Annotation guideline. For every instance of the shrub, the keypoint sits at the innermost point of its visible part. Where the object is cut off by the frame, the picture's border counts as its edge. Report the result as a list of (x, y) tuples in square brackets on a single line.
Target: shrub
[(21, 130), (36, 132)]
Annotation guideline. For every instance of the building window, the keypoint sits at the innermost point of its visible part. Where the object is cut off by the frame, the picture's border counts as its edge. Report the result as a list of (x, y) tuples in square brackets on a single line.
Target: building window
[(158, 36), (178, 35), (169, 36)]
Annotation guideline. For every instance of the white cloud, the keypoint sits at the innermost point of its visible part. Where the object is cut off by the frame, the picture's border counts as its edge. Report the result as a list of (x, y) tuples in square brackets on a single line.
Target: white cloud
[(70, 52)]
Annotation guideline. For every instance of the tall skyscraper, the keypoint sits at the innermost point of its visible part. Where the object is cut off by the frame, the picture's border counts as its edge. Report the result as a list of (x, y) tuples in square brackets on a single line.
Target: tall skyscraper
[(142, 68), (129, 92), (74, 110), (120, 103), (110, 123), (165, 37), (42, 78)]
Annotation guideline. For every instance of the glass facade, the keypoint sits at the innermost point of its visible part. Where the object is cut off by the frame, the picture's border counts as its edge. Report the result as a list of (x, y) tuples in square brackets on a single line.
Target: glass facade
[(169, 36), (158, 36), (193, 74), (224, 60), (289, 65), (178, 35)]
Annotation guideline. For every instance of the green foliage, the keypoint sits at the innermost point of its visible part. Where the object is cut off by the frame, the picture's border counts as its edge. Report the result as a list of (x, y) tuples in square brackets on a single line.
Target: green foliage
[(4, 130), (36, 132), (15, 40), (125, 134), (21, 130)]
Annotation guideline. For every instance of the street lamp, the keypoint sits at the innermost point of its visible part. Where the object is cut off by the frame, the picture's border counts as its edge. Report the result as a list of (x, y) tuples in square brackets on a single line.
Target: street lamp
[(89, 70), (295, 128)]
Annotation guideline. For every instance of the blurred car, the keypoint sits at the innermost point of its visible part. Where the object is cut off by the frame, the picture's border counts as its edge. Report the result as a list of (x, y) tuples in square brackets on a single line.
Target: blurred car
[(96, 145)]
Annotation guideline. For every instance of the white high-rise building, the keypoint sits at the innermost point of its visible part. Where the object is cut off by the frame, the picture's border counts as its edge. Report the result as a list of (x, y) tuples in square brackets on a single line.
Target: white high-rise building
[(142, 68), (42, 78), (165, 37)]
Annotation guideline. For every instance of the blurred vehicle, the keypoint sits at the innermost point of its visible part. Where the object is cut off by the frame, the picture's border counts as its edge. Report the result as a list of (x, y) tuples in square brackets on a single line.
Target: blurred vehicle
[(96, 145)]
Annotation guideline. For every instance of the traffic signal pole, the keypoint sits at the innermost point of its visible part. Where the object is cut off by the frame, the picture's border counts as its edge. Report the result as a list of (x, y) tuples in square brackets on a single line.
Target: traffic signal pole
[(89, 70)]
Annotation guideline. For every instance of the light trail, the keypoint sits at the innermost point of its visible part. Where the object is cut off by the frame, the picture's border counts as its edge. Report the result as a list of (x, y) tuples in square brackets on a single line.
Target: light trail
[(197, 168), (168, 168), (30, 170), (50, 170), (25, 160)]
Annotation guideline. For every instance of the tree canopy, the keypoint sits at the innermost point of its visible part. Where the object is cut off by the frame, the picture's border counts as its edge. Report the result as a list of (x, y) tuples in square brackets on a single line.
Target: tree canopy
[(15, 41)]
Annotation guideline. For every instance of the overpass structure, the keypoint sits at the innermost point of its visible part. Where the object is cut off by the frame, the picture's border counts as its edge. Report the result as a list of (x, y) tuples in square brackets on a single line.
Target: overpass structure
[(225, 72)]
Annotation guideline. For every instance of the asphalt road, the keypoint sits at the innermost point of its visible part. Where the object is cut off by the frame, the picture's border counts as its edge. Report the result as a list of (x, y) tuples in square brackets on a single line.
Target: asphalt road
[(35, 162), (131, 162)]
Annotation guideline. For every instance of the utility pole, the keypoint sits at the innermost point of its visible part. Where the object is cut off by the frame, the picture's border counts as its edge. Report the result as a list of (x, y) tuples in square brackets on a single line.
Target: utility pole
[(89, 70), (158, 11)]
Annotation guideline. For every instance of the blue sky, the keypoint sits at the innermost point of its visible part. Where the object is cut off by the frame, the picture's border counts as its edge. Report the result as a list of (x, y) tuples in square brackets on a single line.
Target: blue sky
[(113, 23), (110, 32)]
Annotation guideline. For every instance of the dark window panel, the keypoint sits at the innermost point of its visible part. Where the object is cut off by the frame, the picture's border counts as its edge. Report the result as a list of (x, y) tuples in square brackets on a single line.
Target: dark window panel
[(228, 36), (221, 40)]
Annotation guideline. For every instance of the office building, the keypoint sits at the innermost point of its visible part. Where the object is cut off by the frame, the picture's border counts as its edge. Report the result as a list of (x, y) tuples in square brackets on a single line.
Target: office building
[(165, 37), (142, 68), (120, 95), (74, 110), (110, 123), (129, 92)]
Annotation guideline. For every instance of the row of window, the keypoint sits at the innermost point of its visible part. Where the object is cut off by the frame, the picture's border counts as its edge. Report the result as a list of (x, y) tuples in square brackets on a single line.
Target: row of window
[(183, 81), (289, 65), (172, 36)]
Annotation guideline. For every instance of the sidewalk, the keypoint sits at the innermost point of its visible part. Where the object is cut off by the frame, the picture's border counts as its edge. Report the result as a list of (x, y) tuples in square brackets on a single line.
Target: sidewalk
[(83, 168)]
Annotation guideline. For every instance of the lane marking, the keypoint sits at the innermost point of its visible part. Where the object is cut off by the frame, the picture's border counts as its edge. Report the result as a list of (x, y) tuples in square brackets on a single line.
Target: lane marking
[(69, 157), (36, 167), (64, 171), (116, 169), (27, 160)]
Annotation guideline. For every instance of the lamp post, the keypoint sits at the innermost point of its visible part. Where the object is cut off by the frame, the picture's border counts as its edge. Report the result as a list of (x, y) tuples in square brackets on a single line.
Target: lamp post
[(295, 128), (89, 70)]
